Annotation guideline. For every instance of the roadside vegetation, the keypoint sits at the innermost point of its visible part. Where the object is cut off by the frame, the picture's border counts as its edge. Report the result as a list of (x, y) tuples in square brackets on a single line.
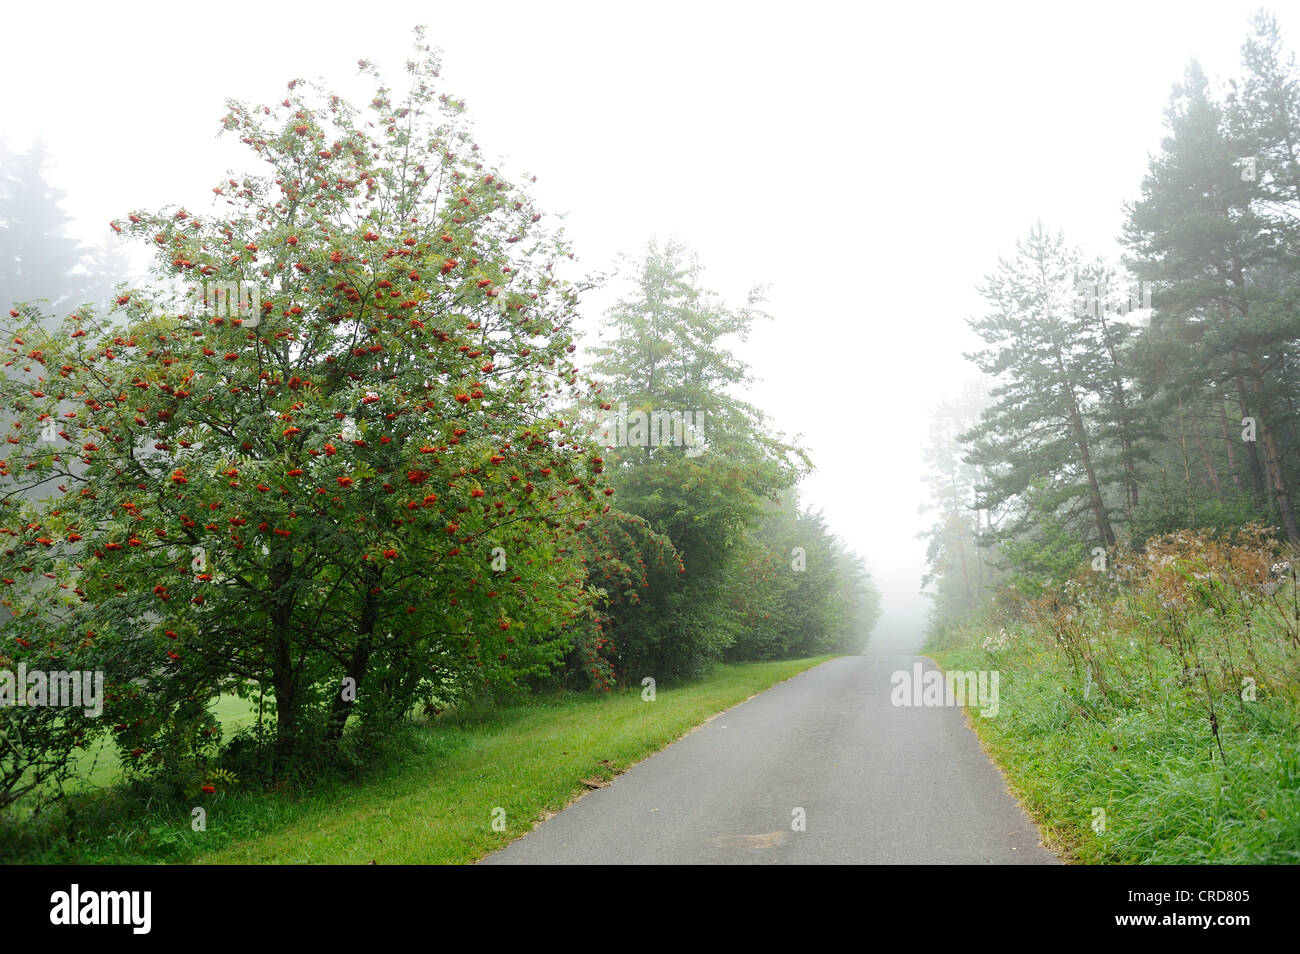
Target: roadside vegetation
[(445, 789), (1115, 522), (1148, 713)]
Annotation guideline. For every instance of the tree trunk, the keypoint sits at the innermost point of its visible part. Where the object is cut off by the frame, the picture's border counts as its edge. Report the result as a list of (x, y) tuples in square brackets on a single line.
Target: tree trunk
[(356, 668), (288, 706), (1080, 433), (1228, 443), (1256, 468), (1080, 438), (1094, 488), (1207, 459), (1187, 466), (342, 707), (1273, 459), (1125, 439), (284, 677), (961, 545)]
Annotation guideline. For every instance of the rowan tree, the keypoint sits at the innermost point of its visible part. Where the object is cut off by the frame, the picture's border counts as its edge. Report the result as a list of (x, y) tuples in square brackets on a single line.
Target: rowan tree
[(351, 491)]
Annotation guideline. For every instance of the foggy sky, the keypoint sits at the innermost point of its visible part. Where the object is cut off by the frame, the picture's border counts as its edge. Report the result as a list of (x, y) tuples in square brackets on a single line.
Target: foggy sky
[(869, 162)]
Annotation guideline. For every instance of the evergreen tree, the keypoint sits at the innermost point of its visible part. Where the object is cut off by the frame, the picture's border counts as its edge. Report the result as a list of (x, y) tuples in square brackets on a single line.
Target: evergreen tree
[(1198, 232), (959, 566), (41, 261), (705, 490), (1040, 431)]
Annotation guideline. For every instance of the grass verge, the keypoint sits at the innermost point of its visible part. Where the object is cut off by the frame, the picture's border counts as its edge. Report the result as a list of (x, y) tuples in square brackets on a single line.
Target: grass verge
[(1137, 778), (431, 804)]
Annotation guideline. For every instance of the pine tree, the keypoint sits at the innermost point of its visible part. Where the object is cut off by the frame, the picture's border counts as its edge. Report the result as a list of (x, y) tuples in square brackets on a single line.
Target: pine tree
[(41, 261), (1220, 266), (1040, 429)]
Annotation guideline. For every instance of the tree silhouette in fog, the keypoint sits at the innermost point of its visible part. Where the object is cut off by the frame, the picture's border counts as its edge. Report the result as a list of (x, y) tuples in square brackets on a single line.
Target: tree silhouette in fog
[(41, 260)]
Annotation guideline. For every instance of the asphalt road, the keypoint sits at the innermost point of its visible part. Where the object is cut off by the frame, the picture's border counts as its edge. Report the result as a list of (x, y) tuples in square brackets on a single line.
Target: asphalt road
[(877, 784)]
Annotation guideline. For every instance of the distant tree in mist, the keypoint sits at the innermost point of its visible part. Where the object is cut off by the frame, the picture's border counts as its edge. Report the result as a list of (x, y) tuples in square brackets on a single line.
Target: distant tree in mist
[(40, 259), (958, 556)]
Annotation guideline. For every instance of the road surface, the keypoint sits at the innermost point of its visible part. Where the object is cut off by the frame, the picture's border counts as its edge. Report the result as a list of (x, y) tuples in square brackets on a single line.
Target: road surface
[(876, 783)]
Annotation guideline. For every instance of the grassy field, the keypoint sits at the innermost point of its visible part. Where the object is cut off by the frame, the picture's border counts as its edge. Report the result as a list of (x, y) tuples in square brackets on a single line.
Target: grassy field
[(432, 805), (100, 767)]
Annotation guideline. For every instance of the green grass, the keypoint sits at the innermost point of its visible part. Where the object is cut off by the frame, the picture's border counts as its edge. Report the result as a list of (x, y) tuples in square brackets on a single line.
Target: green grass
[(100, 767), (1146, 757), (432, 805)]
